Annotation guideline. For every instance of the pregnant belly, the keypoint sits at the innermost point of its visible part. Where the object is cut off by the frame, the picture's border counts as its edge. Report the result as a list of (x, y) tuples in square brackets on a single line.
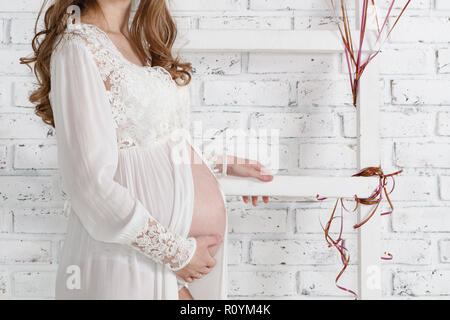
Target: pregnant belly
[(209, 208)]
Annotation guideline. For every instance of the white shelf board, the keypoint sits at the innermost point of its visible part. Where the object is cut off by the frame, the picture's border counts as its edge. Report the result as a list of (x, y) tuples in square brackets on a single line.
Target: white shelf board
[(301, 186), (268, 41)]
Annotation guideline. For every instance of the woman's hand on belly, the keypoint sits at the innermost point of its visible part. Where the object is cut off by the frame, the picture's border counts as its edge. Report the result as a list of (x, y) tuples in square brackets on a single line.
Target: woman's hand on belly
[(246, 168), (202, 262)]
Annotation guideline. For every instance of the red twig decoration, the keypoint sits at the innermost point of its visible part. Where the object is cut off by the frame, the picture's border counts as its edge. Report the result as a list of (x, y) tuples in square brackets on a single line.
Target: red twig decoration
[(387, 256), (356, 63), (373, 200)]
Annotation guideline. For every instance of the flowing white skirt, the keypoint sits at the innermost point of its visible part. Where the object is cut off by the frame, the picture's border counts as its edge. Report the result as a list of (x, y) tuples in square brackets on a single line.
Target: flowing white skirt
[(90, 269)]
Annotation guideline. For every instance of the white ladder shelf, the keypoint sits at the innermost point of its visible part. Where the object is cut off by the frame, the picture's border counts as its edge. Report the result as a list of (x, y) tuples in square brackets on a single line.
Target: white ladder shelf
[(369, 271)]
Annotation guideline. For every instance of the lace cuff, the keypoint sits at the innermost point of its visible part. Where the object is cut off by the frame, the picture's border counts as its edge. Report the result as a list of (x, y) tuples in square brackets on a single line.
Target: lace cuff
[(164, 246)]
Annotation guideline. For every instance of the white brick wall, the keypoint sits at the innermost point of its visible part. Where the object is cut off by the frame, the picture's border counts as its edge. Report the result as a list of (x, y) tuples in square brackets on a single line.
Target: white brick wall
[(276, 250)]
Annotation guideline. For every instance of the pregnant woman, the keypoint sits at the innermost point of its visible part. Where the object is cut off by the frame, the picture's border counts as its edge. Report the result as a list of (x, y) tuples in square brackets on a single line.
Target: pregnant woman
[(148, 218)]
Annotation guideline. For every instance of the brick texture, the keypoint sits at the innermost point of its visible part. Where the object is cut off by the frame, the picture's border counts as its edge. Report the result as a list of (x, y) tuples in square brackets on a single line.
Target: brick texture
[(277, 249)]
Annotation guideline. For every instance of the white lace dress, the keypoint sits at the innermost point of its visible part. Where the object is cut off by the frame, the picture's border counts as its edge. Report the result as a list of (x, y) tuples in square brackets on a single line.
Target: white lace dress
[(123, 132)]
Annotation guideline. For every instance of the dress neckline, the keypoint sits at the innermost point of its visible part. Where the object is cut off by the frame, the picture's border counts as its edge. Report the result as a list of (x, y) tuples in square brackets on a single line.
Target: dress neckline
[(147, 68), (89, 25)]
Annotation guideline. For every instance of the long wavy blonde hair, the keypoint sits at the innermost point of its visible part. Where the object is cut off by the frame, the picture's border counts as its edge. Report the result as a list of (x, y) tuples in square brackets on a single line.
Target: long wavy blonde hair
[(153, 32)]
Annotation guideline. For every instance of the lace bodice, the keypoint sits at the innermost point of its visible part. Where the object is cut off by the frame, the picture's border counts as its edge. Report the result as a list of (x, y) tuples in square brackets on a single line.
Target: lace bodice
[(146, 103)]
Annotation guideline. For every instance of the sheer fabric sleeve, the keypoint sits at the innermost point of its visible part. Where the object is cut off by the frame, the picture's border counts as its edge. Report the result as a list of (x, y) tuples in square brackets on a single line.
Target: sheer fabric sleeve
[(88, 159), (215, 155), (217, 162)]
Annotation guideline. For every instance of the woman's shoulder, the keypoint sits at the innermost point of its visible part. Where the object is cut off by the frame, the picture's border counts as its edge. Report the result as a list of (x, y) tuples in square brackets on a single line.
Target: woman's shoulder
[(82, 36), (90, 42)]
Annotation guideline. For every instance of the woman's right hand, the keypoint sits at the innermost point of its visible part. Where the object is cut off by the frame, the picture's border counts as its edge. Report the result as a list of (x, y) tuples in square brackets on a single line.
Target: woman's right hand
[(202, 262)]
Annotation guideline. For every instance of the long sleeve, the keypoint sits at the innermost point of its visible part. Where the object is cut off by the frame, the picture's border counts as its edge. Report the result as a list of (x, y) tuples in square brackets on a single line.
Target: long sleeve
[(88, 160)]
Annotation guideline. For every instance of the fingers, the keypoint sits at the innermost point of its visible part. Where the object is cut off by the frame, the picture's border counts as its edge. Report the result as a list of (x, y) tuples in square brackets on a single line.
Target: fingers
[(256, 165), (210, 241), (264, 176), (260, 172), (205, 270), (211, 263), (255, 199), (200, 273), (197, 275)]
